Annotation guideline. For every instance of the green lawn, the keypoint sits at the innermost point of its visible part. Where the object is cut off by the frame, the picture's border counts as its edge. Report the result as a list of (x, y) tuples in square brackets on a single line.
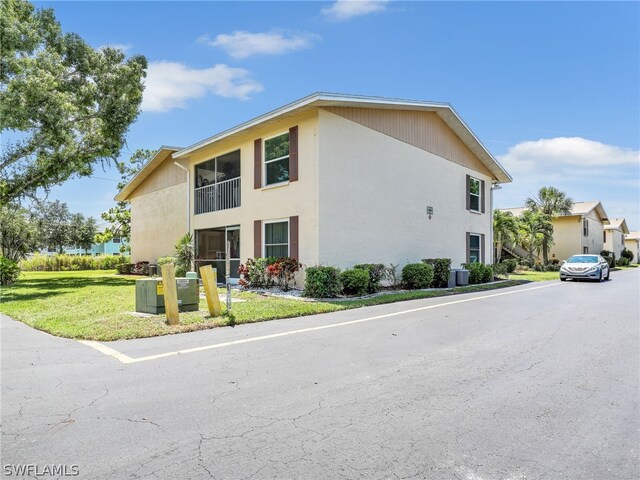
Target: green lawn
[(94, 305), (534, 276)]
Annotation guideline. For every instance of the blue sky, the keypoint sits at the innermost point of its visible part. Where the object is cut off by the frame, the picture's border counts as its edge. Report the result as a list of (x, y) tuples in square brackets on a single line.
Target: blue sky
[(552, 89)]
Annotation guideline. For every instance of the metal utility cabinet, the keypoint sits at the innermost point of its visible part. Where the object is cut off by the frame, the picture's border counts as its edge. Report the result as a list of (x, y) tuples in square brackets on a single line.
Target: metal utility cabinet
[(150, 295)]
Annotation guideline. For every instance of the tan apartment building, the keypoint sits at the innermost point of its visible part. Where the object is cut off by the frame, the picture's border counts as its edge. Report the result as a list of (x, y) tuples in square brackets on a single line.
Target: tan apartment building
[(581, 231), (613, 236), (632, 243), (329, 179)]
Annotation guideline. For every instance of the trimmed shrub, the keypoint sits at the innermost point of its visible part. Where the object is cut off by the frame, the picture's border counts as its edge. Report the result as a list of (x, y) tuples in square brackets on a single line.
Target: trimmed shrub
[(322, 282), (376, 273), (610, 257), (441, 271), (354, 281), (417, 275), (9, 271), (511, 264), (628, 254), (623, 262), (63, 262), (501, 270), (479, 273)]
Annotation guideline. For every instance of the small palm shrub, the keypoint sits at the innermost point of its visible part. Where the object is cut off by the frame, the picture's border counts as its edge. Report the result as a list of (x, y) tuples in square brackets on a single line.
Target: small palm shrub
[(9, 271)]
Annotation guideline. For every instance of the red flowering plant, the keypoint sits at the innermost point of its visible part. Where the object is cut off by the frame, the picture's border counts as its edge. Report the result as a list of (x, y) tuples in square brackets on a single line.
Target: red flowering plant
[(283, 271)]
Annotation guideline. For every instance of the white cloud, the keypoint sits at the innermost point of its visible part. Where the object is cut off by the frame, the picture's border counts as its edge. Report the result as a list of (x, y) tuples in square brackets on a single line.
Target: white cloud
[(241, 44), (584, 169), (125, 47), (567, 152), (170, 85), (346, 9)]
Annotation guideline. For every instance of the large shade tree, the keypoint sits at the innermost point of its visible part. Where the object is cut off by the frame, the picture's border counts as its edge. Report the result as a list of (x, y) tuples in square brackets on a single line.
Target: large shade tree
[(505, 230), (551, 202), (64, 106)]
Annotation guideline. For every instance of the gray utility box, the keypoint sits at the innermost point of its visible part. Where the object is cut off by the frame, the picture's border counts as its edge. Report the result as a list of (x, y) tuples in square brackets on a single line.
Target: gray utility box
[(150, 295), (462, 277)]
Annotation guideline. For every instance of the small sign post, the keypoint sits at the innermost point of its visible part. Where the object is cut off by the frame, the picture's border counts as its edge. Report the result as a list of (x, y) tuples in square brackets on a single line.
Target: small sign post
[(209, 282), (170, 294), (227, 278)]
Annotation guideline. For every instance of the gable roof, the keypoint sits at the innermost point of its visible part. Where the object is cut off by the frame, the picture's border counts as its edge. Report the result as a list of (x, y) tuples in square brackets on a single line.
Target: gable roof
[(322, 99), (578, 209), (617, 224), (160, 156), (632, 236)]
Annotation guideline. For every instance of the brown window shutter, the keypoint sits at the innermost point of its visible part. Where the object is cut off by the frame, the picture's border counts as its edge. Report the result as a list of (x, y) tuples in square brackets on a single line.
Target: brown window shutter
[(482, 196), (293, 155), (468, 242), (257, 163), (294, 250), (257, 238), (466, 193), (482, 248)]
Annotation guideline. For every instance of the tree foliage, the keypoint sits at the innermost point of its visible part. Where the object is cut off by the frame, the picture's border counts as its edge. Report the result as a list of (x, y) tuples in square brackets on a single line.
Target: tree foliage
[(64, 106), (119, 217), (18, 234), (505, 230), (550, 202), (533, 228)]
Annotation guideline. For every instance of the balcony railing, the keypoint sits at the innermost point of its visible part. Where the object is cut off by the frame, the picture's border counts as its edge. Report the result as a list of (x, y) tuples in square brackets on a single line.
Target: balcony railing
[(217, 196)]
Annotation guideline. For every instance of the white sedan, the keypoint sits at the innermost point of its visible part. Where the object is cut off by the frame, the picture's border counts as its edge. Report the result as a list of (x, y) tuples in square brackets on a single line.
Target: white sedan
[(585, 267)]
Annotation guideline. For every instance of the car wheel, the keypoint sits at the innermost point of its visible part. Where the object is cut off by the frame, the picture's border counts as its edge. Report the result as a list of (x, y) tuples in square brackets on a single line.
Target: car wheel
[(608, 275), (600, 277), (562, 279)]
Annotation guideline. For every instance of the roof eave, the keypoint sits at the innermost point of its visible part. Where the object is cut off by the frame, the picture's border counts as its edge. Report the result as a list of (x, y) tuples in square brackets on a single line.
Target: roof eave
[(150, 166)]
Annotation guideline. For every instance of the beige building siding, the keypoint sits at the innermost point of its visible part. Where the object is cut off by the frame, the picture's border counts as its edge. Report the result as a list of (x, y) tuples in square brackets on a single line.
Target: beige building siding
[(425, 130), (273, 202), (633, 245), (158, 220), (595, 240), (615, 241), (374, 193), (166, 175), (567, 237)]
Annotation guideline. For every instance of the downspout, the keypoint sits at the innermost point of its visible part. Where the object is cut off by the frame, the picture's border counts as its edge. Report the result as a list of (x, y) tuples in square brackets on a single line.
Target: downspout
[(179, 165)]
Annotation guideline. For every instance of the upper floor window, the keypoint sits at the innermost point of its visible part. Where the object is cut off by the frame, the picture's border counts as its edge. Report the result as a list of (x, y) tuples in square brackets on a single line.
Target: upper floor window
[(276, 159), (585, 227), (604, 236), (475, 200)]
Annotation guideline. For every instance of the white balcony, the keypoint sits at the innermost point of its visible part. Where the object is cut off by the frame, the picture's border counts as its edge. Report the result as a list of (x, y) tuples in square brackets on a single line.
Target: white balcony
[(217, 196)]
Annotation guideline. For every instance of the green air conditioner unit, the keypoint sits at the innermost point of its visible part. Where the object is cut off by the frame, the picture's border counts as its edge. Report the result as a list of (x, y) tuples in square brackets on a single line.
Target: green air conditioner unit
[(150, 295)]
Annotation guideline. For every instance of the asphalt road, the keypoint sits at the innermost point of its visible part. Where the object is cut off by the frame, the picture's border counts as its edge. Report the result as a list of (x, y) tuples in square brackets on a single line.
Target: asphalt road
[(538, 383)]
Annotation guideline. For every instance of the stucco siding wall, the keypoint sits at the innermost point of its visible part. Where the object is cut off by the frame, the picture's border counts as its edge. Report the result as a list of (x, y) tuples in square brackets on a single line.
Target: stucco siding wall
[(634, 246), (567, 237), (374, 191), (595, 240), (269, 203), (158, 220), (614, 243)]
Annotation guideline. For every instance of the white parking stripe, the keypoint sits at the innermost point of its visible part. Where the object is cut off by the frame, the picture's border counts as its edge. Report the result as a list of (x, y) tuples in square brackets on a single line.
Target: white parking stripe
[(127, 359)]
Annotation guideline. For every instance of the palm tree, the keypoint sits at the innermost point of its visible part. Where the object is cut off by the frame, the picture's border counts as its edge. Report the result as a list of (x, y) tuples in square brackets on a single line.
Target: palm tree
[(551, 202), (533, 228), (505, 229)]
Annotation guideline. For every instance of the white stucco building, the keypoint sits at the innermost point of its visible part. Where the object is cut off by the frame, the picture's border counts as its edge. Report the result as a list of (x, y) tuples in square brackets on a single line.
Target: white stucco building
[(329, 179)]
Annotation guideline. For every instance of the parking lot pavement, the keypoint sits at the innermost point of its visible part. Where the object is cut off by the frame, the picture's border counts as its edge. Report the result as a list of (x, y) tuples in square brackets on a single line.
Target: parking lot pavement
[(538, 384)]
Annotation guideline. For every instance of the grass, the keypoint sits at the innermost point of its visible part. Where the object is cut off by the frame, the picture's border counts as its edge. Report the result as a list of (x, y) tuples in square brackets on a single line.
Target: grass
[(94, 305), (532, 276)]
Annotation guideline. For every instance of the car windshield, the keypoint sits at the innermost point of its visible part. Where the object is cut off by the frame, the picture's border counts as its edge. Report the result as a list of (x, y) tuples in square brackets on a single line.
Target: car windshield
[(583, 259)]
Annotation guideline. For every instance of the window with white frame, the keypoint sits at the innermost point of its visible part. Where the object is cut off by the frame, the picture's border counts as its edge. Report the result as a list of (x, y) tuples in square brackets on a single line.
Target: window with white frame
[(474, 248), (276, 239), (276, 159), (474, 194)]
